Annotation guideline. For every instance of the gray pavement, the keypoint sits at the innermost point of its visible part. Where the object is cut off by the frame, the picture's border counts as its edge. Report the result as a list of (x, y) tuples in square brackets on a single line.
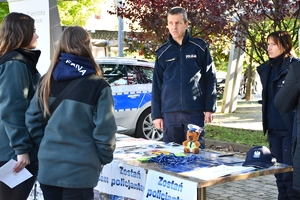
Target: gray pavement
[(247, 116), (262, 187)]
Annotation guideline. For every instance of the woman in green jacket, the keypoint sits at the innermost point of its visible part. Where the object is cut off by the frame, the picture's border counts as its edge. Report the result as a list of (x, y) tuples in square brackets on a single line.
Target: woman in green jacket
[(18, 82), (78, 137)]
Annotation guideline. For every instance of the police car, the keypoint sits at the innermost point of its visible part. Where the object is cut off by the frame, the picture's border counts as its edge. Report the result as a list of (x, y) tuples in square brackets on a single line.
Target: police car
[(131, 84)]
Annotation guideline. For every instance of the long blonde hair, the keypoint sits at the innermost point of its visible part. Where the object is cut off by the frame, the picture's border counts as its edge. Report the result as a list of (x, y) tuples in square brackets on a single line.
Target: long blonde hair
[(74, 40)]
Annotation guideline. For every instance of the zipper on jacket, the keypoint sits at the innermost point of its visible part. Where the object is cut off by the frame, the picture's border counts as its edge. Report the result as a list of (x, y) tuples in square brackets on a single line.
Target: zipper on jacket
[(181, 78)]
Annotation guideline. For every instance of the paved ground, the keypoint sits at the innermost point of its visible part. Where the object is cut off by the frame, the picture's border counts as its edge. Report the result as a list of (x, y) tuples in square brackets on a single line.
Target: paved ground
[(247, 116), (263, 187)]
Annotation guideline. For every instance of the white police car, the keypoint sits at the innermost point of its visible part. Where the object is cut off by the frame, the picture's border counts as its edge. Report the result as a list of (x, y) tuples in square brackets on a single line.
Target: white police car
[(131, 83)]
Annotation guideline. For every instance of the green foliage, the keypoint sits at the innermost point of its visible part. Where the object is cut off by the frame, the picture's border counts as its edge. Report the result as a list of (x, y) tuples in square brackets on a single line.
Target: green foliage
[(70, 12), (234, 135), (77, 12), (219, 50), (257, 32), (4, 10)]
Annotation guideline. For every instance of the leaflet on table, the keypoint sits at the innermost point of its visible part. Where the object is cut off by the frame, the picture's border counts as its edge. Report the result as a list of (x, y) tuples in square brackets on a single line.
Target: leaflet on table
[(163, 186), (13, 179), (122, 180), (126, 141), (132, 148), (217, 171)]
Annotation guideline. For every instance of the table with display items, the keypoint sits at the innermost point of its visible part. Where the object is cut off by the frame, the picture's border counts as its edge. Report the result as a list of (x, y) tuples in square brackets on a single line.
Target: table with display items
[(211, 167), (132, 175)]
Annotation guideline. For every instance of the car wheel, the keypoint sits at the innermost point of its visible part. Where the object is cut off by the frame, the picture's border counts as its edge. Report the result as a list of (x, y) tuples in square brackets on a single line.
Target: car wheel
[(145, 127)]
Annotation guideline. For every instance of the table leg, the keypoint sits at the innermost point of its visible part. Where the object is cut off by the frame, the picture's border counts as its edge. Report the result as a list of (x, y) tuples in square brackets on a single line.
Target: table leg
[(201, 193)]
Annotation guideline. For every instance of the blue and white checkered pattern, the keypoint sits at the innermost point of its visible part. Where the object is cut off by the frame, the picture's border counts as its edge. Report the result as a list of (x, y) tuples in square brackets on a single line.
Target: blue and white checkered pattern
[(127, 101)]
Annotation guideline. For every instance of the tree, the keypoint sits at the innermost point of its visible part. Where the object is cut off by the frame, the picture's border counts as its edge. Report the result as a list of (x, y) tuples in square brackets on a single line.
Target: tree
[(254, 20), (148, 21), (70, 12), (4, 10), (77, 12), (251, 20)]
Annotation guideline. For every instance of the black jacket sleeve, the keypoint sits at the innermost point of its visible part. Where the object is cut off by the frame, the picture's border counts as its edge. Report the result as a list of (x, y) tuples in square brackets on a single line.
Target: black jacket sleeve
[(287, 97)]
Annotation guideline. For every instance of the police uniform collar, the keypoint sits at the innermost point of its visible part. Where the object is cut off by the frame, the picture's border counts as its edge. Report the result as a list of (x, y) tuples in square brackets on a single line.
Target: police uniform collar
[(185, 39)]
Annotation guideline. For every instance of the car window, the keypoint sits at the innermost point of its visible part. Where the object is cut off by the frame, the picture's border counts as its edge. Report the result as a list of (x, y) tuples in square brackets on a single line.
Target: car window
[(148, 73), (117, 74), (136, 75), (114, 74)]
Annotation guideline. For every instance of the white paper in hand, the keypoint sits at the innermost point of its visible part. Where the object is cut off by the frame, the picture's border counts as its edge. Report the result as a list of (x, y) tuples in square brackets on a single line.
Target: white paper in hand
[(13, 179)]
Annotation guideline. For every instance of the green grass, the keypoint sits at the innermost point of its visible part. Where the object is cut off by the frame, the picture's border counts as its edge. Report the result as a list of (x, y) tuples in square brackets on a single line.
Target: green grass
[(234, 135)]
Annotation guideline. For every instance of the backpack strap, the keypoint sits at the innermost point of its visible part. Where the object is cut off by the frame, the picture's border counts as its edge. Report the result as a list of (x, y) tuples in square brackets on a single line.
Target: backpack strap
[(63, 94)]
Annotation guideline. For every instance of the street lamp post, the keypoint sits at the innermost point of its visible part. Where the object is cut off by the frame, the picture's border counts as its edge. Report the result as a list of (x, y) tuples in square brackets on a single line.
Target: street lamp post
[(120, 34)]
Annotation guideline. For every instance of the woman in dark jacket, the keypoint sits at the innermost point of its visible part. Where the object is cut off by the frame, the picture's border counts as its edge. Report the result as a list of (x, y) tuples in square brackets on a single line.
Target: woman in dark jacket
[(286, 100), (278, 125), (18, 82)]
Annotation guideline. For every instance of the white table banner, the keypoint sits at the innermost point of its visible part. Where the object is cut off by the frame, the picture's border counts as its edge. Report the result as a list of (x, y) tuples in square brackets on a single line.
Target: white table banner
[(122, 180), (164, 187)]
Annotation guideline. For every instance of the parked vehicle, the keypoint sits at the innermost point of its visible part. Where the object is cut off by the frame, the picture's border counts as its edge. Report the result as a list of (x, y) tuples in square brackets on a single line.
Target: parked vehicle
[(131, 83), (220, 88), (221, 79)]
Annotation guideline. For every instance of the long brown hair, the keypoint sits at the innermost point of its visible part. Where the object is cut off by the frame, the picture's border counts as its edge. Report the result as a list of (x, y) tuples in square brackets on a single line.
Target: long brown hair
[(74, 40), (16, 31)]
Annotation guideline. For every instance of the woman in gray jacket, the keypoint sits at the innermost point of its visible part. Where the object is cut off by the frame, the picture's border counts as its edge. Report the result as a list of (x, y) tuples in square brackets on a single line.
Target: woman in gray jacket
[(77, 138)]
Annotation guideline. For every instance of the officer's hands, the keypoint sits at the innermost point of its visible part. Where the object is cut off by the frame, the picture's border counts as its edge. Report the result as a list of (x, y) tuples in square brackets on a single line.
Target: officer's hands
[(159, 123), (209, 117)]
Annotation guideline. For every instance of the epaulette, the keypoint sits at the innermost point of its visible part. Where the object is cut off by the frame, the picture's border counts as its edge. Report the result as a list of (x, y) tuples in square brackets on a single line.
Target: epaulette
[(162, 46), (203, 40)]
